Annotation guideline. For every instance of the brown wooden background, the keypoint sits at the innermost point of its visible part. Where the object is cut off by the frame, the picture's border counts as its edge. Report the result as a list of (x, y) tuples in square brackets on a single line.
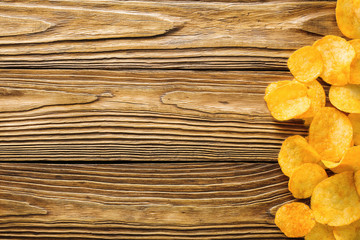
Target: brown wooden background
[(145, 119)]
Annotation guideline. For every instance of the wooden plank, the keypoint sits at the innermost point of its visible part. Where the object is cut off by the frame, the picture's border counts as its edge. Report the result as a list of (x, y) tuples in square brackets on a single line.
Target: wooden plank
[(141, 201), (171, 35), (72, 115)]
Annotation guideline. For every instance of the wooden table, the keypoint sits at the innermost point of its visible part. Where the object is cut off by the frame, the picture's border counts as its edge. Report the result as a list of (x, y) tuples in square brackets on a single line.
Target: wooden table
[(139, 120)]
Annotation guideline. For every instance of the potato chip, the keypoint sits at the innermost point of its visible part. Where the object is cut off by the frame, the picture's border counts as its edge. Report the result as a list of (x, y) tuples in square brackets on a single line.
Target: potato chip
[(337, 55), (346, 98), (348, 232), (356, 6), (305, 64), (355, 65), (346, 18), (295, 219), (305, 178), (330, 134), (317, 96), (321, 164), (294, 152), (288, 101), (275, 85), (350, 161), (335, 200), (320, 232), (355, 121), (357, 181)]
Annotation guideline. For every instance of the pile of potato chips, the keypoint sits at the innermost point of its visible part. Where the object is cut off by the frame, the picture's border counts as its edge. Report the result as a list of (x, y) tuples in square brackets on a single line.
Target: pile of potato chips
[(334, 134)]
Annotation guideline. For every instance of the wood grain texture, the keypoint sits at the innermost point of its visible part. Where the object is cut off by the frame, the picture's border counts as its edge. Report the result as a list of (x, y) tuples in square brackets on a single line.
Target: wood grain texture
[(167, 35), (123, 81), (141, 201), (88, 115)]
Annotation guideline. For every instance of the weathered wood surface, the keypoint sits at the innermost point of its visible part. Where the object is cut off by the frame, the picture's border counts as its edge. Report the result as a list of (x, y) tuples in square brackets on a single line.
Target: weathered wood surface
[(72, 115), (158, 87), (141, 201), (158, 34)]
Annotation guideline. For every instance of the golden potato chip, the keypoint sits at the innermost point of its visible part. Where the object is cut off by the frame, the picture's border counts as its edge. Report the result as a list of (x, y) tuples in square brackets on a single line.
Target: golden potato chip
[(355, 121), (320, 232), (337, 55), (295, 219), (355, 64), (321, 164), (305, 178), (317, 96), (288, 101), (335, 200), (346, 18), (348, 232), (275, 85), (357, 181), (350, 161), (294, 152), (305, 64), (330, 134), (356, 8), (346, 98)]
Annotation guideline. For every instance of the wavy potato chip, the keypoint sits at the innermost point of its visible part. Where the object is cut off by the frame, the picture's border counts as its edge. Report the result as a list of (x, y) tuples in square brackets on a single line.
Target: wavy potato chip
[(346, 98), (288, 101), (321, 164), (350, 161), (317, 96), (305, 178), (335, 200), (275, 85), (295, 219), (347, 21), (337, 55), (320, 232), (355, 121), (355, 64), (294, 152), (305, 64), (330, 134), (348, 232), (357, 181), (356, 8)]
